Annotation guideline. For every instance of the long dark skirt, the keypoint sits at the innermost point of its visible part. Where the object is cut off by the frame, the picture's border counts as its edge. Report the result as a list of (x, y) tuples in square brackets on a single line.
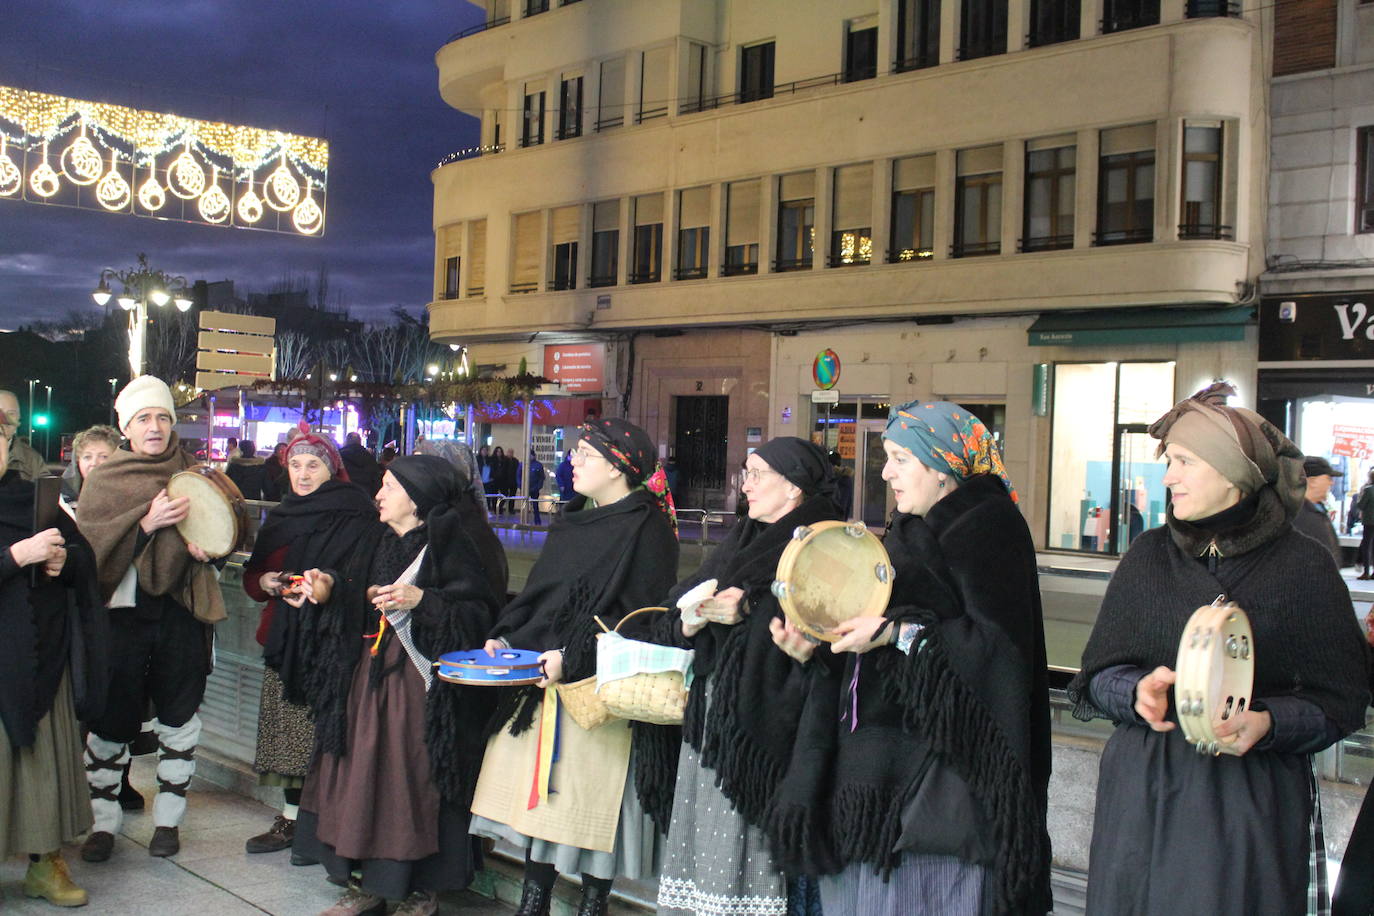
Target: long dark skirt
[(1177, 833), (376, 810)]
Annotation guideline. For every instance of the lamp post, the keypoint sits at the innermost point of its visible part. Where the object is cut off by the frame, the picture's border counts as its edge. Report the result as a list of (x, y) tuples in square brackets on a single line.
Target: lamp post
[(29, 415), (141, 286), (113, 382), (47, 424)]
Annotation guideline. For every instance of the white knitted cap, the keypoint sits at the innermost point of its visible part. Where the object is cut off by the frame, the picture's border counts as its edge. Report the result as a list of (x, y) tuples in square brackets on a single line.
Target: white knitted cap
[(144, 391)]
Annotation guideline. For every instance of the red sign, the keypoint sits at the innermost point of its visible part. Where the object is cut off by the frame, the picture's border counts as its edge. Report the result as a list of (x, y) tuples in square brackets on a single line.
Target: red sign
[(576, 367), (1353, 441)]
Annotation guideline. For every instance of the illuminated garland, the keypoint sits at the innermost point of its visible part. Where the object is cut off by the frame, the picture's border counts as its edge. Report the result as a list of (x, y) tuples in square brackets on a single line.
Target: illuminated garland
[(497, 390), (92, 155)]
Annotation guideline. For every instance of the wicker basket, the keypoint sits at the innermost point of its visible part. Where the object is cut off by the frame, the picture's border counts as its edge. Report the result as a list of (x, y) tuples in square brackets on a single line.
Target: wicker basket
[(581, 701), (658, 698)]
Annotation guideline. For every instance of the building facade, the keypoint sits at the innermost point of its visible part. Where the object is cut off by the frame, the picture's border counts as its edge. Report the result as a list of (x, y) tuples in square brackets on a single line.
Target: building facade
[(1316, 370), (1052, 211)]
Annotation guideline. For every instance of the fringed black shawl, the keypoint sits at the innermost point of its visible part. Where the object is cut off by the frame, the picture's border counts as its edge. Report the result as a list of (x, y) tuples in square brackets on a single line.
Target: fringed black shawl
[(460, 579), (56, 627), (951, 750), (605, 562)]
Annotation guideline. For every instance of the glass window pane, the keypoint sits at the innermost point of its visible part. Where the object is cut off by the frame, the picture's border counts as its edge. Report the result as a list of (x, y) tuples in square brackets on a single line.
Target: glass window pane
[(1147, 391), (1080, 479), (1066, 204), (1202, 140)]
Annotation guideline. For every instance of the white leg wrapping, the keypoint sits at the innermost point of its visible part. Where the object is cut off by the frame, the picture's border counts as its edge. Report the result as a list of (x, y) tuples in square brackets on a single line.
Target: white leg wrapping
[(173, 772), (105, 762)]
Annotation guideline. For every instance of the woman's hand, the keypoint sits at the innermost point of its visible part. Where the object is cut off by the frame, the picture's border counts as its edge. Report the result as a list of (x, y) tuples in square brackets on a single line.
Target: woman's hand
[(492, 646), (1243, 731), (272, 583), (53, 565), (860, 634), (552, 662), (315, 586), (725, 607), (395, 598), (1152, 698), (165, 512), (43, 547), (791, 640), (196, 553)]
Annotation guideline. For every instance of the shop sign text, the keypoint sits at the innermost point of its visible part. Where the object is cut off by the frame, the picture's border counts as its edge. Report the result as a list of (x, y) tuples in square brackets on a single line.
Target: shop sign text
[(1353, 441), (1349, 325)]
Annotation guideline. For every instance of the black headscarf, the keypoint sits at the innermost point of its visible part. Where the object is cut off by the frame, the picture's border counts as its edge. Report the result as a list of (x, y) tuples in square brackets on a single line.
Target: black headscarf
[(428, 480), (802, 463), (627, 447)]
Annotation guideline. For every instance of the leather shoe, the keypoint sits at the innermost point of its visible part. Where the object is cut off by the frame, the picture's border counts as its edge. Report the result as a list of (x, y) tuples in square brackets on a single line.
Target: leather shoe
[(97, 847), (301, 859), (48, 878), (534, 899), (595, 901), (166, 842), (277, 837)]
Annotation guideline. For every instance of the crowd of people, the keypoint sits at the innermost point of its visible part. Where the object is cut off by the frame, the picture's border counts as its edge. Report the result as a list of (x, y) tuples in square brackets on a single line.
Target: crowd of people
[(902, 768)]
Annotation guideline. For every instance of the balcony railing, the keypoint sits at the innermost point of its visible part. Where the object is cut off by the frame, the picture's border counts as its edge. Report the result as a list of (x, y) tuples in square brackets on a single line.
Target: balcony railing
[(840, 260), (471, 153), (647, 276), (476, 292), (783, 265), (974, 249), (535, 7), (1047, 242), (525, 287), (449, 294), (479, 27), (919, 62), (608, 123), (1207, 9), (747, 269), (595, 281), (742, 98), (903, 255), (1205, 231), (1124, 236), (690, 273), (650, 114)]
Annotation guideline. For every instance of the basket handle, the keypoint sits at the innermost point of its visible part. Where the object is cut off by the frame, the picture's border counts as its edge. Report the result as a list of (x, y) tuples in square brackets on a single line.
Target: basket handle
[(643, 610)]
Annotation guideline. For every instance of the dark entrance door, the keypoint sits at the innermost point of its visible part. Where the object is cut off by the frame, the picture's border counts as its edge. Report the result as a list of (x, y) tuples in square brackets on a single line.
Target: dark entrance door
[(702, 424)]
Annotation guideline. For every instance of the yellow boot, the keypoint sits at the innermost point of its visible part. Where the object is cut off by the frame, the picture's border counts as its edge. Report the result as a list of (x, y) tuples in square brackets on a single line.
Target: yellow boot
[(49, 878)]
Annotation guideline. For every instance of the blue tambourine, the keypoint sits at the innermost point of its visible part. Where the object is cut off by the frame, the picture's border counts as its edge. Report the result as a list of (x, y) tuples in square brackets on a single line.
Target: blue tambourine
[(475, 668)]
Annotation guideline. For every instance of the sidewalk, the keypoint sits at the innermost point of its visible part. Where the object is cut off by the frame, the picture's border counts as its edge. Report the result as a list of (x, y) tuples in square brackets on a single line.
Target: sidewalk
[(211, 875)]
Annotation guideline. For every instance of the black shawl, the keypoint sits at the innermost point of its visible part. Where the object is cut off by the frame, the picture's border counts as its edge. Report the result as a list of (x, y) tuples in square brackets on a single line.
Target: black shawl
[(605, 562), (757, 690), (1307, 641), (461, 576), (57, 626), (319, 530), (950, 753)]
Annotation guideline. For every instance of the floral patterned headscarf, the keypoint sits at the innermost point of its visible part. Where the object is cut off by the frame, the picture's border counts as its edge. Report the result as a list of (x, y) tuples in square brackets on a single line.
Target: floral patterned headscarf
[(630, 450), (947, 438)]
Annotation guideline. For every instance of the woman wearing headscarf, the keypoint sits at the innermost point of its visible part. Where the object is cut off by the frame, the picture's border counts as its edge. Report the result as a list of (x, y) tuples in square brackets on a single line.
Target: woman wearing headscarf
[(458, 454), (1178, 832), (317, 524), (52, 671), (746, 698), (919, 776), (422, 584), (612, 551)]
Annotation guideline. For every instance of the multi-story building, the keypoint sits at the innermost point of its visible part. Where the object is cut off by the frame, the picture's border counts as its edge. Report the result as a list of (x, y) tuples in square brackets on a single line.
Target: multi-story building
[(1049, 210), (1316, 370)]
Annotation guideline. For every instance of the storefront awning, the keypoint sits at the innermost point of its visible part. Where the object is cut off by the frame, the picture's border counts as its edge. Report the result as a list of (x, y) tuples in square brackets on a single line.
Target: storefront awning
[(1142, 325)]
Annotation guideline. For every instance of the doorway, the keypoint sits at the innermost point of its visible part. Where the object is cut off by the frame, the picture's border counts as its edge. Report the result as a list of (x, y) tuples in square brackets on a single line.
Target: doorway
[(702, 425)]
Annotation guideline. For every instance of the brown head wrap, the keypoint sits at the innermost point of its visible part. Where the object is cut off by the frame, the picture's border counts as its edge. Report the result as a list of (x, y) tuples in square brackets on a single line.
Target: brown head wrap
[(1244, 447)]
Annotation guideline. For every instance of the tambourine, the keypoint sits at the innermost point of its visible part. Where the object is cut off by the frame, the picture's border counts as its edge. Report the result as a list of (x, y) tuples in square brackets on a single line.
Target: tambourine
[(1215, 673), (832, 572), (475, 668), (217, 522)]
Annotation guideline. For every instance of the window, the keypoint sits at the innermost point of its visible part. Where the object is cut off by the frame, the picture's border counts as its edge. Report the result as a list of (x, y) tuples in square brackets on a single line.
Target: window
[(756, 72), (532, 132), (982, 28), (851, 238), (477, 258), (570, 108), (535, 7), (796, 221), (693, 233), (1049, 202), (694, 90), (742, 227), (978, 202), (1201, 205), (526, 230), (1119, 15), (1364, 179), (653, 84), (1126, 185), (610, 106), (565, 227), (913, 209), (605, 244), (646, 263), (861, 50), (451, 271), (1053, 21), (918, 34), (497, 135), (1106, 486), (1204, 9)]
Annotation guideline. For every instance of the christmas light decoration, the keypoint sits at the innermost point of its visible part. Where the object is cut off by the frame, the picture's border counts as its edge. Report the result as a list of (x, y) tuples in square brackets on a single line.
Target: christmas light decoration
[(69, 152)]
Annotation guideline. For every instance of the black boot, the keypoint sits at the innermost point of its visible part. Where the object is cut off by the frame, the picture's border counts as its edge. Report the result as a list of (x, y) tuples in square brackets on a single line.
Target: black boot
[(595, 899), (535, 899)]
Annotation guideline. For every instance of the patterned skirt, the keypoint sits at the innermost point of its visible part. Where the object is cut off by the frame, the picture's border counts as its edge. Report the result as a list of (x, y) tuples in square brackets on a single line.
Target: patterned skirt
[(286, 737)]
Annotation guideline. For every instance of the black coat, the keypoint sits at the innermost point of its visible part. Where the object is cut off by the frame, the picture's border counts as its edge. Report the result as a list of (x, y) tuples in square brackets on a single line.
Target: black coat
[(362, 468)]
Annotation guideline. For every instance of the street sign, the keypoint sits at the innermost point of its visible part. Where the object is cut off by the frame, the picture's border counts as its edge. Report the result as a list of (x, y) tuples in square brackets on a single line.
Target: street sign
[(825, 396)]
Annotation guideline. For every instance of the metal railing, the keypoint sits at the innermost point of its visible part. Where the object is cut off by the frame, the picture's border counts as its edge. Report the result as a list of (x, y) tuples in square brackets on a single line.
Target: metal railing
[(472, 153), (739, 270), (1205, 231), (1046, 243), (974, 249), (697, 272), (525, 287), (746, 96), (783, 265), (912, 255), (1207, 9), (479, 27), (1124, 236)]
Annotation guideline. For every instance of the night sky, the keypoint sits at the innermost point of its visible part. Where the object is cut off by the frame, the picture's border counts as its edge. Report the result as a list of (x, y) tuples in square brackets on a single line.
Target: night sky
[(357, 72)]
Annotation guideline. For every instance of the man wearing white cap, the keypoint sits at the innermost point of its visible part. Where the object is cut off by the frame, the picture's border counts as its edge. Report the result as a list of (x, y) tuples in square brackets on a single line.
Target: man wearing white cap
[(164, 598)]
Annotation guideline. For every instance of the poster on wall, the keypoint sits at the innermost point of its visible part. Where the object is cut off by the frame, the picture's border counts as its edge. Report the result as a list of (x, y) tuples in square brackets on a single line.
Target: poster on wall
[(1353, 441), (847, 448), (577, 367)]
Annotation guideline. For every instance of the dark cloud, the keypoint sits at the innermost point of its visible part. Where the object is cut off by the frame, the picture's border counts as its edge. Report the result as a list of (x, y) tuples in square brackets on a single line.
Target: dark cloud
[(358, 72)]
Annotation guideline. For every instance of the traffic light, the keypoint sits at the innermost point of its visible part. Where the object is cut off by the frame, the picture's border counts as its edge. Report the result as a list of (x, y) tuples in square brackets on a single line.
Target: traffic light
[(40, 420)]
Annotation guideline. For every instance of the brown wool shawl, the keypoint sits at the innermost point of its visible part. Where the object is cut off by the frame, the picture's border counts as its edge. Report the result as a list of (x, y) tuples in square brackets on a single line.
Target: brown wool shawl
[(114, 500)]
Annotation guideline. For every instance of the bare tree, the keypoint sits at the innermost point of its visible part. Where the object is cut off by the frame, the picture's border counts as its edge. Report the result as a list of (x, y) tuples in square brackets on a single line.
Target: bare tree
[(172, 338), (296, 353)]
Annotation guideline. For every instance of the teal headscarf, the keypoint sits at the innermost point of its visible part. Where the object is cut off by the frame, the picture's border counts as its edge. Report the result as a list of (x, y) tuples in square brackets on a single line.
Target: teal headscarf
[(947, 438)]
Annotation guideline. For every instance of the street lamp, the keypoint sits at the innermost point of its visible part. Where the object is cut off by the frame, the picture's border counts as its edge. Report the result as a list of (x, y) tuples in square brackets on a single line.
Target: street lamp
[(141, 286), (113, 382)]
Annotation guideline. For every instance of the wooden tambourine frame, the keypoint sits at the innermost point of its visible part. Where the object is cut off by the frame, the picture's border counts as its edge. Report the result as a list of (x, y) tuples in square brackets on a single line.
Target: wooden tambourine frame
[(218, 513), (474, 668), (1215, 673), (831, 572)]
